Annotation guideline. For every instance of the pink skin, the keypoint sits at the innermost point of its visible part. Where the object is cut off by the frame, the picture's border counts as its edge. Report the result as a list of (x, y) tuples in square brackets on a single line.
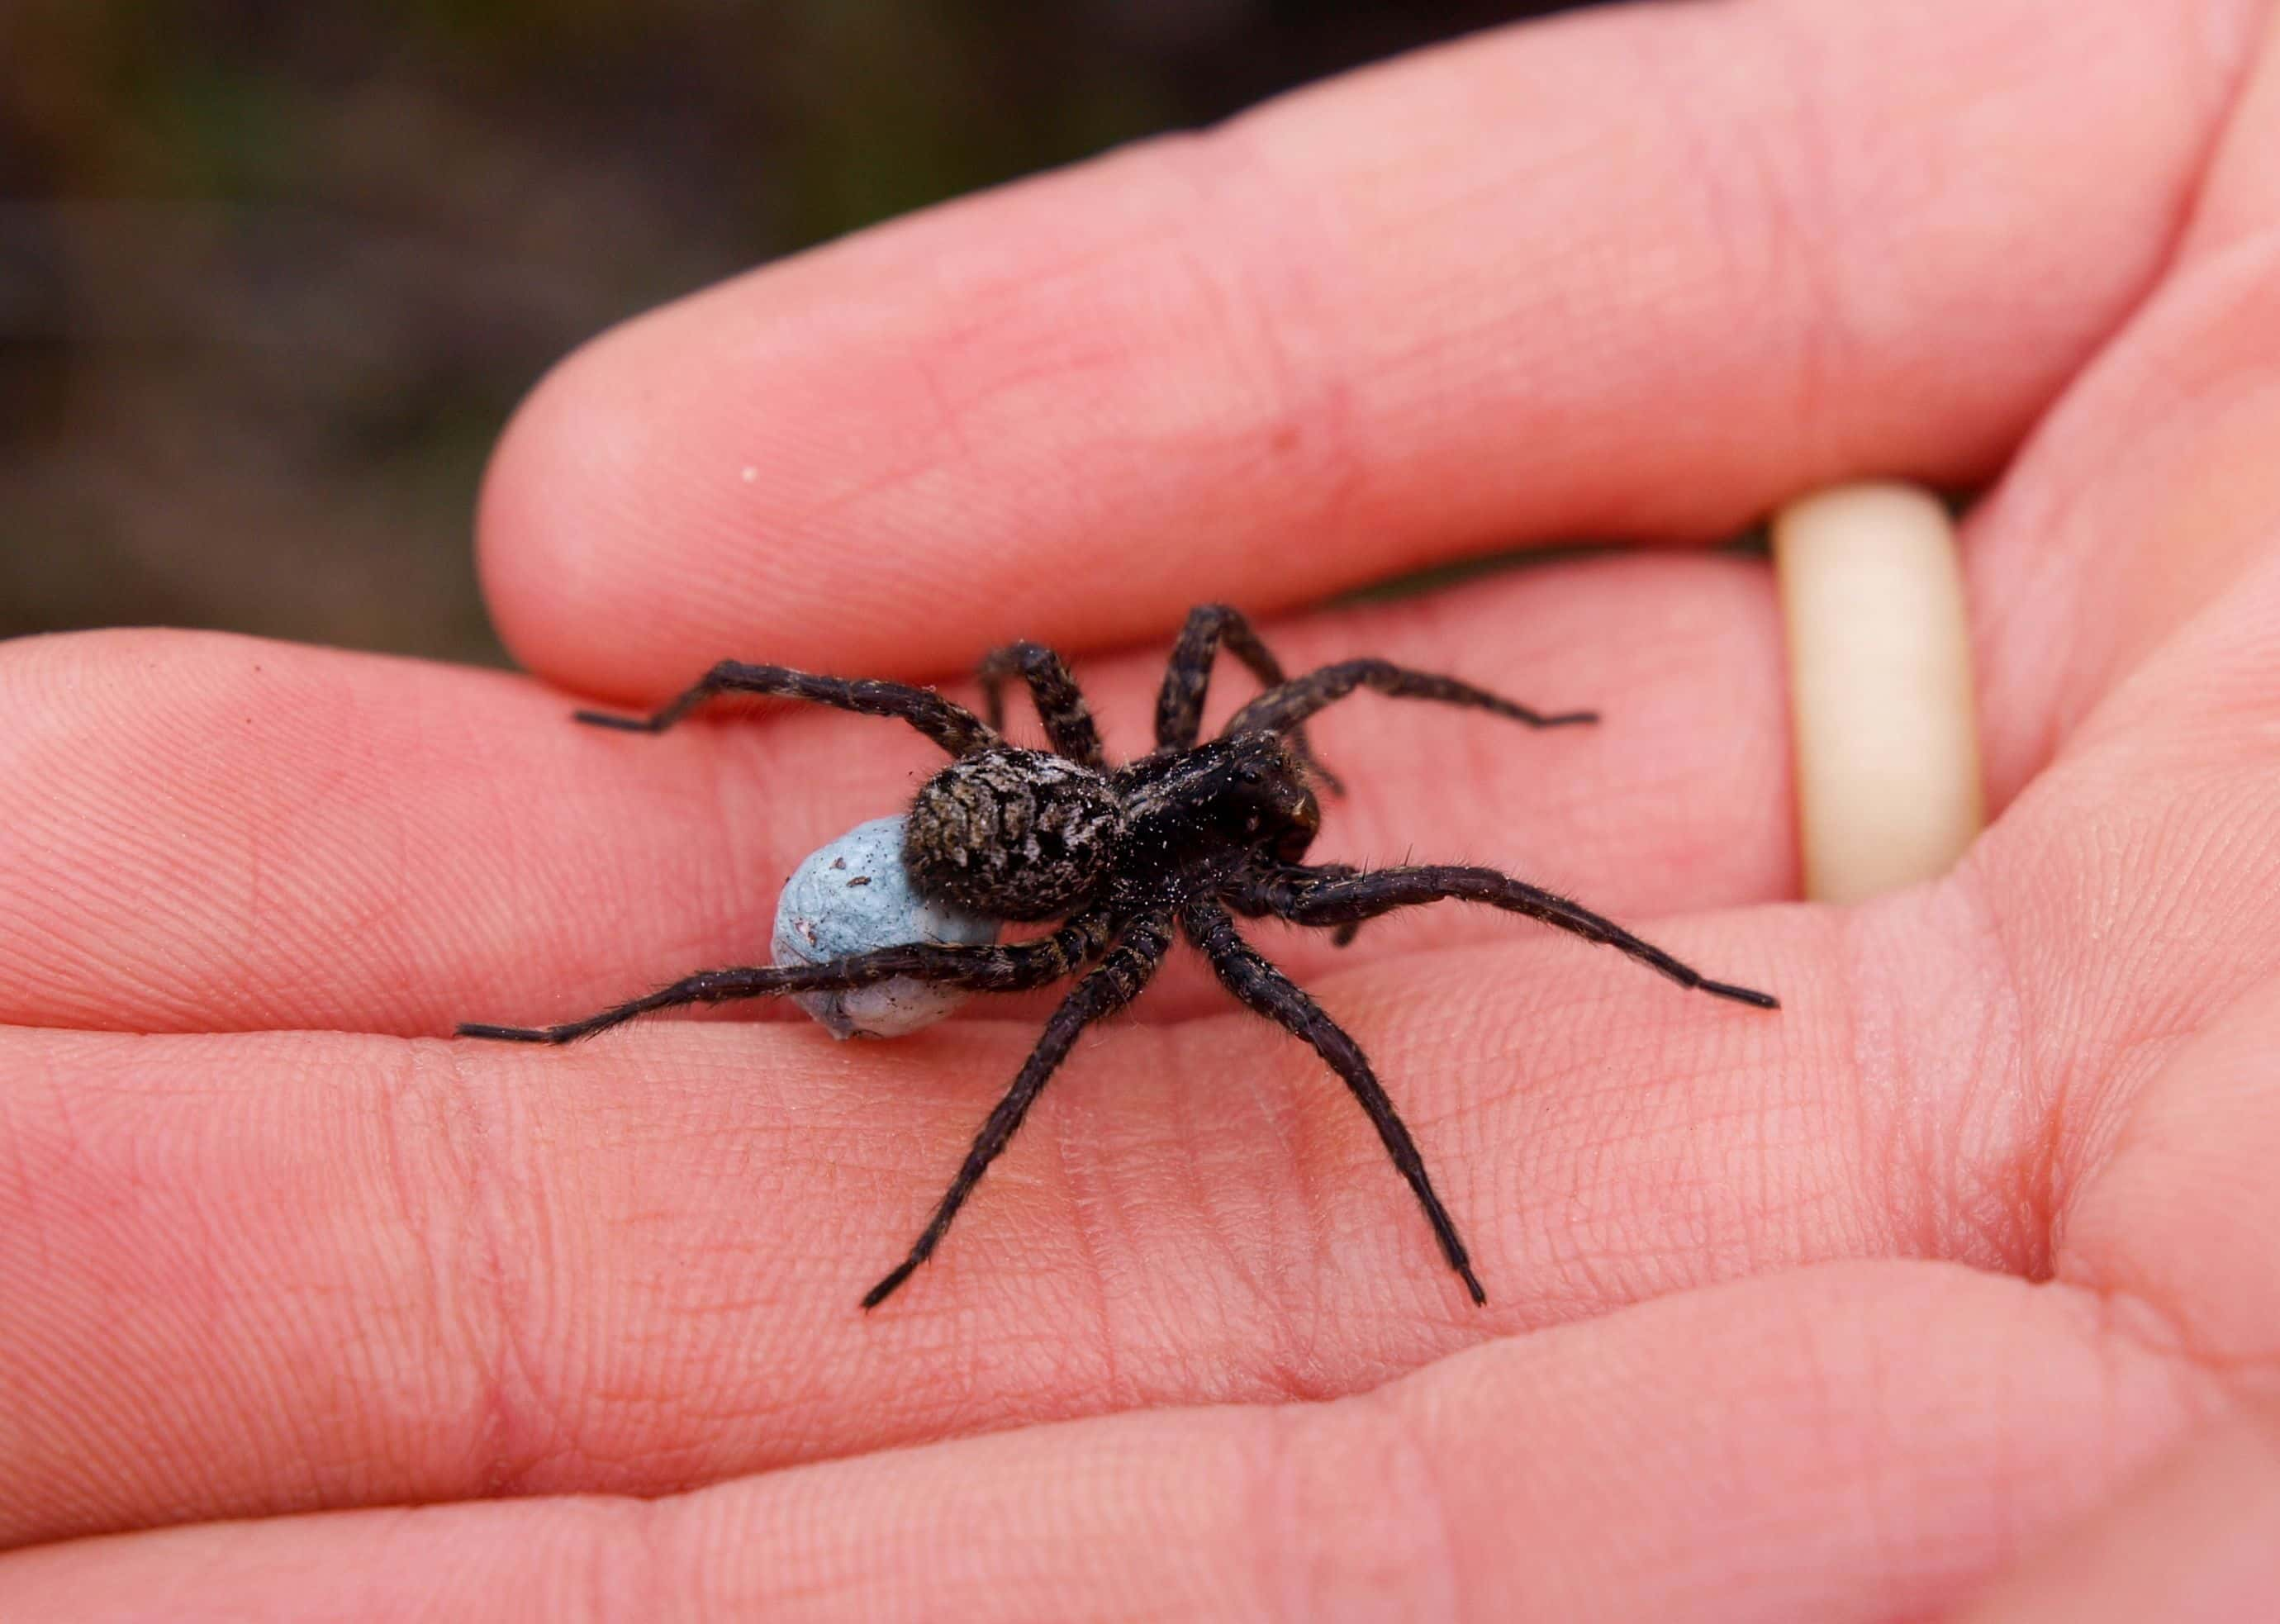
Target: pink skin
[(1843, 1312)]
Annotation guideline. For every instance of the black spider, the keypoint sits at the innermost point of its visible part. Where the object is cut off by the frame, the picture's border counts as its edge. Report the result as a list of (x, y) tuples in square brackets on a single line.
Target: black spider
[(1122, 854)]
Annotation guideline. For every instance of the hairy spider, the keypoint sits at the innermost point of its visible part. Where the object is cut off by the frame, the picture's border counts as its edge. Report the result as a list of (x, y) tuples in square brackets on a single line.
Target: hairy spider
[(1180, 839)]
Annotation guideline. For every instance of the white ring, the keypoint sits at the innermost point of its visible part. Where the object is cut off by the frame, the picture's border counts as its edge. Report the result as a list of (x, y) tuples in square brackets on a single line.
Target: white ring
[(1881, 696)]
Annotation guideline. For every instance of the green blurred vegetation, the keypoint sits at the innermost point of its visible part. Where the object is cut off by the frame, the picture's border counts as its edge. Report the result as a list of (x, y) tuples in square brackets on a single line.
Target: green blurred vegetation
[(271, 275)]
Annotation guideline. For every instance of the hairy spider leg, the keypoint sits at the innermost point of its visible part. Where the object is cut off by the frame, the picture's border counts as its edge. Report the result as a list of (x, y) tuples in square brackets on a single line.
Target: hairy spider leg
[(1255, 895), (1280, 709), (1112, 984), (1325, 897), (1188, 673), (1262, 988), (1061, 703), (953, 727), (1009, 967)]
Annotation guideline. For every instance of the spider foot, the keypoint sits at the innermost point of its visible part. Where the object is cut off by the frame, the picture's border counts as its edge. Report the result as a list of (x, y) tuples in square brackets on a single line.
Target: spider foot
[(1740, 995), (623, 724), (515, 1035), (886, 1287)]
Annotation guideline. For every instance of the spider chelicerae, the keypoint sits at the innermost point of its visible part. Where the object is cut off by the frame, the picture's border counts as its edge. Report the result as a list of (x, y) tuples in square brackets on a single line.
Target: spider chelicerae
[(1181, 840)]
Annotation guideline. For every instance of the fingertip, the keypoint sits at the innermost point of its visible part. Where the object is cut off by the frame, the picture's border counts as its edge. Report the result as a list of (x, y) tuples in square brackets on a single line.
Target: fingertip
[(543, 548), (625, 508)]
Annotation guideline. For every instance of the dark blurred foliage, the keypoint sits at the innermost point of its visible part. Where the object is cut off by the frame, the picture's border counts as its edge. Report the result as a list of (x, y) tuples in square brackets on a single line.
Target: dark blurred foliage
[(272, 273)]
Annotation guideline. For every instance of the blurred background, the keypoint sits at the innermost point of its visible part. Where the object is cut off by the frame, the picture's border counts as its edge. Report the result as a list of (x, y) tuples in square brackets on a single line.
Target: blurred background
[(273, 274)]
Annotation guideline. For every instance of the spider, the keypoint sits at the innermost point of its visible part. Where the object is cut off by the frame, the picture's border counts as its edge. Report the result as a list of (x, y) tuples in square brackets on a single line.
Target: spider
[(1181, 839)]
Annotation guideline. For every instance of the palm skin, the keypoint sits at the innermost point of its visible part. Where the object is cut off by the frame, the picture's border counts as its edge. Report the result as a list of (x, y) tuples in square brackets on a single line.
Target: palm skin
[(1834, 1313)]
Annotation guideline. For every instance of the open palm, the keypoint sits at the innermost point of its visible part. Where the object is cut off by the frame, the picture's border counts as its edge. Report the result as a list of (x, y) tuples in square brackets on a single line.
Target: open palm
[(1831, 1313)]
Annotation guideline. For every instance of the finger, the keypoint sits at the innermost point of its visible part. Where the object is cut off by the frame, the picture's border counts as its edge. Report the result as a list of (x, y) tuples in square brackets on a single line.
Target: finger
[(1461, 299), (633, 1267), (220, 834), (1864, 1443), (2192, 1540), (2152, 490)]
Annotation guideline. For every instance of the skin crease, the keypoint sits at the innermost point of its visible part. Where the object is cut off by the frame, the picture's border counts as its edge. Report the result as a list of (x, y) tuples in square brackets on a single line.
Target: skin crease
[(1892, 1305)]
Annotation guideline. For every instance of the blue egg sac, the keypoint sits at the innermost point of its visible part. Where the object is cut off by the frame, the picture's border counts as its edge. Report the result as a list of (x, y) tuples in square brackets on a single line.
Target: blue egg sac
[(851, 897)]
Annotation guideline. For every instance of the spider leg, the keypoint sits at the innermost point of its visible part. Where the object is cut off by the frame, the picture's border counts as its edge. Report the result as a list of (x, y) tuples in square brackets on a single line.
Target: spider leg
[(1318, 896), (1257, 896), (1280, 709), (1262, 988), (1061, 703), (1187, 680), (953, 727), (1012, 967), (1113, 983)]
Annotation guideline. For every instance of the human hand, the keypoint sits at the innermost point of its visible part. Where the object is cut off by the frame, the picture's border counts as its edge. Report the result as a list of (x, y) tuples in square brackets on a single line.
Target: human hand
[(1831, 1313)]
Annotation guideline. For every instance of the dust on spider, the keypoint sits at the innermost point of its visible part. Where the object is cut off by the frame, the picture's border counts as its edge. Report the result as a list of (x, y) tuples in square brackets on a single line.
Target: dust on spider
[(1181, 840)]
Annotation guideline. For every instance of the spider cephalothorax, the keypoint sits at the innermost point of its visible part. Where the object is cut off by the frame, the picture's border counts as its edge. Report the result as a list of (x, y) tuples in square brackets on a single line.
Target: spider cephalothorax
[(1180, 840)]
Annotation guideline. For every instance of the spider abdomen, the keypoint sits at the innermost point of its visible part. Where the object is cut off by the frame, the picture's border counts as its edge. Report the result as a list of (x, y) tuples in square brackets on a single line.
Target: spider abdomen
[(1013, 833)]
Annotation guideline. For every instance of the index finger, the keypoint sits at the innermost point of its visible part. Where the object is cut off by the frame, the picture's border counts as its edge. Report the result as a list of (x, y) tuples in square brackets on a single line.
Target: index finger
[(1640, 272)]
